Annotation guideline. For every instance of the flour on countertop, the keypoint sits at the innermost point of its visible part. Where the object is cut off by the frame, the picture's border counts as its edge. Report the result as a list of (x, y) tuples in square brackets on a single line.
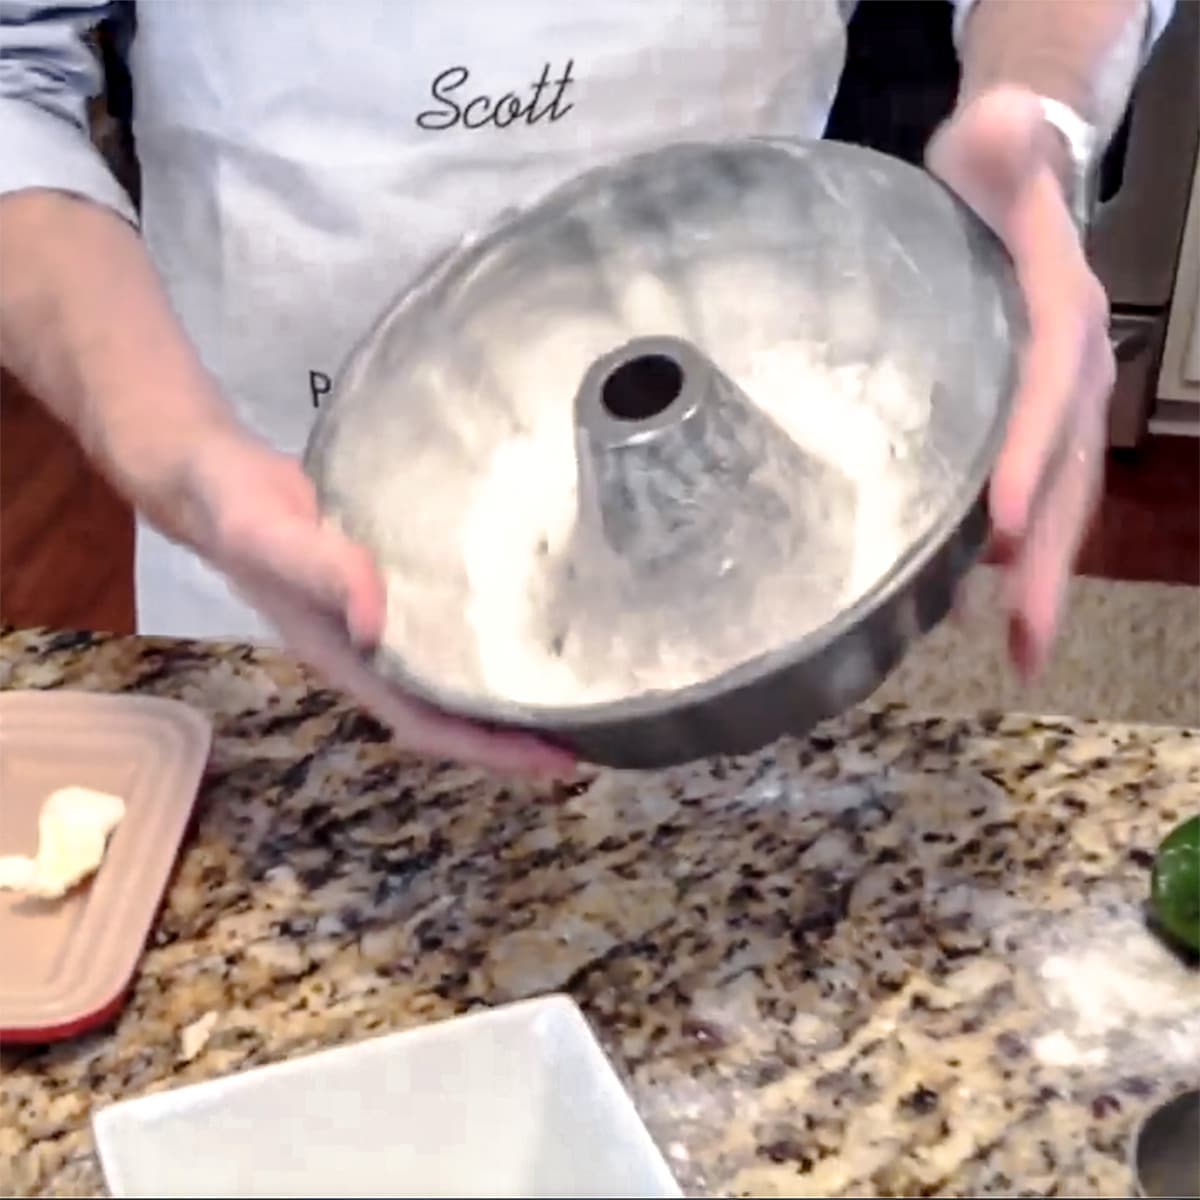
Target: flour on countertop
[(1112, 979)]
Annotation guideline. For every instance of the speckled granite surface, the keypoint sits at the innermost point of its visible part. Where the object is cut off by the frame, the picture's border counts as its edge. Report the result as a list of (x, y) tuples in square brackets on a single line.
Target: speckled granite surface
[(902, 956)]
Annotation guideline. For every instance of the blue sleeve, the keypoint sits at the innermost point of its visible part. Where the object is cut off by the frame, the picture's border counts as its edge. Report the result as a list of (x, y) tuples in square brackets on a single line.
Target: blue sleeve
[(1160, 12), (48, 76)]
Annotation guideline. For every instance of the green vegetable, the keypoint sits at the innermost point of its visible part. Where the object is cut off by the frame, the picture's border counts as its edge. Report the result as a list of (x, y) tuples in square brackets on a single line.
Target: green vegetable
[(1175, 884)]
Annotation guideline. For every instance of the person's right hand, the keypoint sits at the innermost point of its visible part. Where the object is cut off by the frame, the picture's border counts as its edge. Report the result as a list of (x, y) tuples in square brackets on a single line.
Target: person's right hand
[(252, 513)]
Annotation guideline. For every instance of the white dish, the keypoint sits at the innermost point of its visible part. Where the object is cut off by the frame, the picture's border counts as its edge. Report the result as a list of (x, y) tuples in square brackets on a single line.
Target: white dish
[(515, 1101)]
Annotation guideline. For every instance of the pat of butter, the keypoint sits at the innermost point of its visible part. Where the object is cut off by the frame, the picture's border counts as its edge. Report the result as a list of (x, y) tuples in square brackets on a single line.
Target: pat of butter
[(73, 831)]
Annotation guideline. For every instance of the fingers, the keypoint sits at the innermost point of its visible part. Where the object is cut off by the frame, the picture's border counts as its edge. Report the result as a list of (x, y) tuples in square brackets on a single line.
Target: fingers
[(416, 726), (1049, 380), (1039, 576), (262, 522), (329, 570), (441, 736), (1047, 480), (424, 729), (1066, 356), (362, 591)]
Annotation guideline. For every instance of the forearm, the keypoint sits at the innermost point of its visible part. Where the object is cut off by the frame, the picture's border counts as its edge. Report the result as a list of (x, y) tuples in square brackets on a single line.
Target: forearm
[(86, 326), (1084, 53)]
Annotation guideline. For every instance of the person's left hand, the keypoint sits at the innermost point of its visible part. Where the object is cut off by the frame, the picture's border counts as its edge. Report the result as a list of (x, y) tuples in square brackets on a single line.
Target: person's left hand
[(998, 153)]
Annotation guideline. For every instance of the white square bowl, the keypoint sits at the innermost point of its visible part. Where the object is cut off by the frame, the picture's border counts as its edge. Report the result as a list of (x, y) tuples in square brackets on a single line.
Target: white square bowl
[(514, 1101)]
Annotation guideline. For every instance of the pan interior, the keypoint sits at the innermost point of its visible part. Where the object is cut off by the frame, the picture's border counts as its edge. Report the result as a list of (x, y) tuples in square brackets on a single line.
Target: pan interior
[(678, 415)]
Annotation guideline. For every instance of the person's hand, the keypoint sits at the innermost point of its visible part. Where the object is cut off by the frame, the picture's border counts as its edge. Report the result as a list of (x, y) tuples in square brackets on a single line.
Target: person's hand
[(1001, 157), (252, 513)]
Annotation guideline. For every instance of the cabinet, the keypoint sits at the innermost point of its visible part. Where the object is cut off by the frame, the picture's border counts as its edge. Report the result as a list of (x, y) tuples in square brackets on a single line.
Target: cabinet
[(1178, 406)]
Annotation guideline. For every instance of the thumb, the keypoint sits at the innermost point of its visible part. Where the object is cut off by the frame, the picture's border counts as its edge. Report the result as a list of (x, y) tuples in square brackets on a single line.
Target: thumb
[(320, 563)]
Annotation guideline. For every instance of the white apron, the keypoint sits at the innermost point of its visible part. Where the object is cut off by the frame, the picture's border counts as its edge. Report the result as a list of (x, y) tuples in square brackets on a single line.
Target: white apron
[(302, 159)]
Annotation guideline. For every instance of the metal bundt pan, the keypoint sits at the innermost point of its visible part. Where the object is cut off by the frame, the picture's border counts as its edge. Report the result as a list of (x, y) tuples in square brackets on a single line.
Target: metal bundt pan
[(666, 515)]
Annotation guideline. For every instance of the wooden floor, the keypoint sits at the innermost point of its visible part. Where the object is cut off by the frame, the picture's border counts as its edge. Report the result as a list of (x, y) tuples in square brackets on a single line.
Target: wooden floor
[(66, 542)]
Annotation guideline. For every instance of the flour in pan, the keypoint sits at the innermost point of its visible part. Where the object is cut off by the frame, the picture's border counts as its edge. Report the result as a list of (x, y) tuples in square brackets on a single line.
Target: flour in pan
[(865, 420)]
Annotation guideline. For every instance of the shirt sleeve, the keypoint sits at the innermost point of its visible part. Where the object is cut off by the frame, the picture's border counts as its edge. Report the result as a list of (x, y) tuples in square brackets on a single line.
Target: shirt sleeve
[(1160, 12), (48, 75)]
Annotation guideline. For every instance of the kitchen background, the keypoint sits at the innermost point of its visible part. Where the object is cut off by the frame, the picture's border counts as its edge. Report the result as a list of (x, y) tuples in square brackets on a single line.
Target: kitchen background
[(904, 955), (66, 549)]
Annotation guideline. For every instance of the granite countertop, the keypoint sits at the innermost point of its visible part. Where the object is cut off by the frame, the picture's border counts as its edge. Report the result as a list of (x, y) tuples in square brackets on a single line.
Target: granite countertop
[(903, 956)]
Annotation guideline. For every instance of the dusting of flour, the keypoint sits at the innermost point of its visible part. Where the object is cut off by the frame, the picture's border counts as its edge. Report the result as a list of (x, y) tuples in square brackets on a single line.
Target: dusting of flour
[(1108, 983)]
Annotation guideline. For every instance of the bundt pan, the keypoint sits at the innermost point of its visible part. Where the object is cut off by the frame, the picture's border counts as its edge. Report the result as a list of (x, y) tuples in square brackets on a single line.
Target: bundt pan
[(682, 457)]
